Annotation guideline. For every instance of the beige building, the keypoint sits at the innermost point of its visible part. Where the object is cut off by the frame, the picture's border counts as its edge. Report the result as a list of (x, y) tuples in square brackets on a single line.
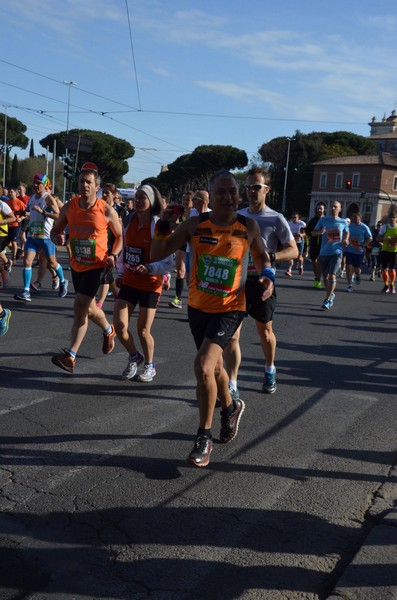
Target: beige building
[(367, 184)]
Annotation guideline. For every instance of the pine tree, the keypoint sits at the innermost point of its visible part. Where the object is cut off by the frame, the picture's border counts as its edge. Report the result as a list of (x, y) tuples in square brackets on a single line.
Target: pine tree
[(14, 171), (31, 151)]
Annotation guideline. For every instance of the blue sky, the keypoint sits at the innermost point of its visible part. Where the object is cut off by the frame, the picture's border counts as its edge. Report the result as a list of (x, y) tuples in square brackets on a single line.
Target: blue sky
[(197, 72)]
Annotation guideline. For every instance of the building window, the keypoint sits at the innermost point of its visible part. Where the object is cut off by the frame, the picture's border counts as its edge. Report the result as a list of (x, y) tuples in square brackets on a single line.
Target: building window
[(381, 147), (394, 146), (395, 183), (356, 180), (323, 180), (339, 180)]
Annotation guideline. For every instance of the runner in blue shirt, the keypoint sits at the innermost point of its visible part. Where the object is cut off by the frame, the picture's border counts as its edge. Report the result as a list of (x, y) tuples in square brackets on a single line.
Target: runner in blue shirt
[(334, 233), (360, 237)]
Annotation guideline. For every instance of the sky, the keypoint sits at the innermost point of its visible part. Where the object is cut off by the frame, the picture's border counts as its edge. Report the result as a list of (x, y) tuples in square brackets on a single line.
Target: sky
[(168, 76)]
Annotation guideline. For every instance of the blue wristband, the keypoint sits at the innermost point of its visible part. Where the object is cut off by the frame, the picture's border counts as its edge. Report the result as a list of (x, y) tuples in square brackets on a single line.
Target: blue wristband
[(269, 273)]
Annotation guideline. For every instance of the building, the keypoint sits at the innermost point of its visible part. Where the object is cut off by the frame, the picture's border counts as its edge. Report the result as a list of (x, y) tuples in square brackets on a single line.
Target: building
[(384, 134), (367, 183)]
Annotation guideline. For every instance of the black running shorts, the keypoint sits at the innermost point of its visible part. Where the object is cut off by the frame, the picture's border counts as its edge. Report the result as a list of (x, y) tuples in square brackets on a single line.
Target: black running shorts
[(217, 327)]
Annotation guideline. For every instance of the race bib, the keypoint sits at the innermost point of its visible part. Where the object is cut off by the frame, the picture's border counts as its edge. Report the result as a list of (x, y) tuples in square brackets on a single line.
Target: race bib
[(132, 257), (216, 274), (333, 235), (84, 251), (36, 229), (251, 271)]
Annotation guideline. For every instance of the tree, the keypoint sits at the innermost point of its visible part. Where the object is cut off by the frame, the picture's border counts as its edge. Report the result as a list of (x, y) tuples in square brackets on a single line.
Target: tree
[(15, 133), (14, 172), (306, 149), (108, 152), (31, 150), (192, 171)]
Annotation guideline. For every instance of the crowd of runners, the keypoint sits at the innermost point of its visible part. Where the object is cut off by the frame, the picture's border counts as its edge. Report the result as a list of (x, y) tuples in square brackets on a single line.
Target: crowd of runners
[(225, 253)]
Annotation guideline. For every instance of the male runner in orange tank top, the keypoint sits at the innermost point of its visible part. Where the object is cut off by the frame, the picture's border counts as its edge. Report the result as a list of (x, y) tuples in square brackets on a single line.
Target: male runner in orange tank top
[(88, 218), (219, 243)]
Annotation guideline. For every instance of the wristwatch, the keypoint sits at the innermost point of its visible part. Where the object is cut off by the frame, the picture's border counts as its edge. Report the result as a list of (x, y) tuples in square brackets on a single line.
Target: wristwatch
[(272, 257)]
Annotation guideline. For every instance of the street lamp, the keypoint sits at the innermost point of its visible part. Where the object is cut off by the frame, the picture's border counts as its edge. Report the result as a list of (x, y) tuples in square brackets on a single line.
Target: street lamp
[(69, 84), (284, 203), (379, 191)]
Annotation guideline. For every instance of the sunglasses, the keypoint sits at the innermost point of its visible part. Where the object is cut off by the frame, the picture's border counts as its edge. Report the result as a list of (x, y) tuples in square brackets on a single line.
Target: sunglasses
[(256, 187)]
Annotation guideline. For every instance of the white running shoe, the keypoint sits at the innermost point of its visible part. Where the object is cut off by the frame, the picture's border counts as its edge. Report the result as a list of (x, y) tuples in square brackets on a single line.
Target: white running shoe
[(133, 366), (148, 373)]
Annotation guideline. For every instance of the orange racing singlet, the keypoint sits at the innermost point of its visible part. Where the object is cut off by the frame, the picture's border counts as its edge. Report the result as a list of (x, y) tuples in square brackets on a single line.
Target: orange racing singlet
[(218, 259), (88, 235)]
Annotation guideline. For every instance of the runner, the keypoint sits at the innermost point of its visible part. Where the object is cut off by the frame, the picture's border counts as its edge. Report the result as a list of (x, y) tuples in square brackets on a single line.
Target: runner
[(219, 243), (88, 218), (141, 283), (280, 244), (42, 209), (388, 237)]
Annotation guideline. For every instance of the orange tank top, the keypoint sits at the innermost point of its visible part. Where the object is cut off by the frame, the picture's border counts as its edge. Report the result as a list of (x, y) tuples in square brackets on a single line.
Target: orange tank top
[(136, 251), (88, 234), (218, 266)]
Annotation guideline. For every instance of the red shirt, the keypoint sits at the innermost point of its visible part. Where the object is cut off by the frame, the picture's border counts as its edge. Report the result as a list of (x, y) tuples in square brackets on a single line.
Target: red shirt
[(25, 199)]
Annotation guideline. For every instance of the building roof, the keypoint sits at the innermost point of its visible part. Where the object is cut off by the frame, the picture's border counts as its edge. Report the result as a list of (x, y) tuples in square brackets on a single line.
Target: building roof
[(383, 158)]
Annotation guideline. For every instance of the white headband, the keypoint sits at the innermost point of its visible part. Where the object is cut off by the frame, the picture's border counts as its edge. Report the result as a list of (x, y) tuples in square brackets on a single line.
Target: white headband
[(148, 191)]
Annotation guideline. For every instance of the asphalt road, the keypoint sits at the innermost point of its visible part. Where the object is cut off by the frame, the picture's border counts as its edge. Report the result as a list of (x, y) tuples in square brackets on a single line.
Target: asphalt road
[(97, 500)]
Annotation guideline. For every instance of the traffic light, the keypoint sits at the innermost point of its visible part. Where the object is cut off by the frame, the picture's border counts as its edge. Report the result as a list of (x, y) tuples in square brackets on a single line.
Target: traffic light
[(68, 171), (348, 185)]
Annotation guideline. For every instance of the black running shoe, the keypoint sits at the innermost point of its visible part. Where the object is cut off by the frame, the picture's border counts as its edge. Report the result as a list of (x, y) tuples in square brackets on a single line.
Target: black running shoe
[(200, 455), (230, 421)]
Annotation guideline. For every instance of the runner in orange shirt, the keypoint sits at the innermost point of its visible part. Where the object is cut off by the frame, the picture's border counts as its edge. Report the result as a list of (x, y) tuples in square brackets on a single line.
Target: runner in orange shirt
[(88, 219), (219, 244), (141, 283)]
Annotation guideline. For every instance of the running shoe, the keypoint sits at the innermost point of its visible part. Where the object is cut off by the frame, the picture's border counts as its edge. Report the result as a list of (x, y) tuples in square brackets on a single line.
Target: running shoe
[(108, 341), (300, 270), (385, 289), (235, 394), (167, 282), (25, 296), (133, 366), (326, 305), (4, 321), (230, 421), (175, 303), (36, 286), (201, 452), (148, 373), (8, 266), (55, 283), (63, 288), (269, 385), (5, 279), (392, 289), (349, 288), (65, 361), (357, 279), (372, 278), (288, 273), (331, 300)]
